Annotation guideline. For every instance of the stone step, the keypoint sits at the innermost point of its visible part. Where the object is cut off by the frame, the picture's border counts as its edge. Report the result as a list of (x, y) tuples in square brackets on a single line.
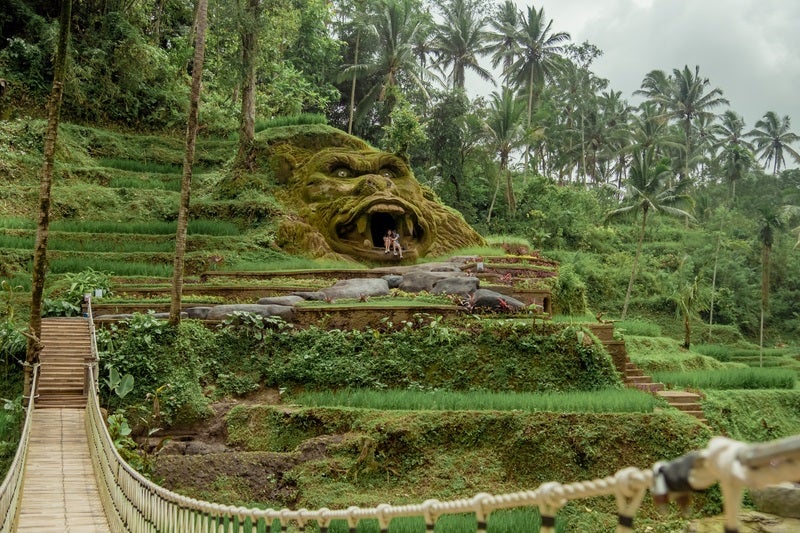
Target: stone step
[(638, 379), (649, 387), (631, 372), (674, 396)]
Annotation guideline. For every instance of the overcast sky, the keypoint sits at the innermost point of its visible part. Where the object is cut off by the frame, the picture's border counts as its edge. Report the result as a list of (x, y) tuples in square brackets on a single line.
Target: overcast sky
[(748, 48)]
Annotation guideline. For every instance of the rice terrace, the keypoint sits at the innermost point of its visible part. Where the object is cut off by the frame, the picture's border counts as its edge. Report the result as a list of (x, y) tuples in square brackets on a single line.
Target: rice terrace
[(267, 267)]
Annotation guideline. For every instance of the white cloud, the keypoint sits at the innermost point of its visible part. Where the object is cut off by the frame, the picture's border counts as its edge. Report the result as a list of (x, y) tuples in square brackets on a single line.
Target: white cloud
[(748, 48)]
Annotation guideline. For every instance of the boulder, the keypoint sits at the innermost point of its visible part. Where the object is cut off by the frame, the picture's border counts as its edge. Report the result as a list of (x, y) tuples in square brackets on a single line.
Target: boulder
[(312, 296), (489, 299), (461, 285), (356, 288), (289, 301), (782, 499), (425, 280), (221, 312), (394, 280), (199, 313)]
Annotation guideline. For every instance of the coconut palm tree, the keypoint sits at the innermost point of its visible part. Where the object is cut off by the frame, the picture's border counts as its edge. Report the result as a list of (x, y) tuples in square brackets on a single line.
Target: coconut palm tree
[(201, 24), (459, 39), (538, 53), (690, 101), (503, 126), (396, 25), (649, 191), (501, 38), (772, 139)]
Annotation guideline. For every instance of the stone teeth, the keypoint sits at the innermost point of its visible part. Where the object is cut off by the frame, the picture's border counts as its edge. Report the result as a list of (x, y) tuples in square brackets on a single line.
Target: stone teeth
[(361, 225), (409, 227)]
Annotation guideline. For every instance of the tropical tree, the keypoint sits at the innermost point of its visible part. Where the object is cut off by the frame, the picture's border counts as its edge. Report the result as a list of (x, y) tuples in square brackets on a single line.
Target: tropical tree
[(537, 54), (501, 38), (504, 132), (459, 39), (201, 23), (688, 298), (649, 190), (772, 219), (689, 101), (34, 345), (732, 147), (396, 25), (772, 139), (250, 22)]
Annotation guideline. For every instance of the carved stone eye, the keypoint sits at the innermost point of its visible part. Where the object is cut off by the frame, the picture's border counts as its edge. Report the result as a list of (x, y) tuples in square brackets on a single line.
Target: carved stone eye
[(387, 173), (342, 172)]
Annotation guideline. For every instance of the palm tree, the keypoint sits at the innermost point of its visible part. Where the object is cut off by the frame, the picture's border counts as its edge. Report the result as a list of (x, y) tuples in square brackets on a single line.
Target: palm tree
[(691, 101), (396, 25), (34, 346), (656, 87), (459, 40), (734, 150), (537, 53), (201, 24), (648, 191), (504, 131), (501, 39), (360, 28), (772, 138), (772, 219)]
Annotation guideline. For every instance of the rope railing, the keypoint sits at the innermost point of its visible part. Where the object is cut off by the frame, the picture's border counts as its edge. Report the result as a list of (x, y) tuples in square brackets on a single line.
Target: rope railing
[(133, 503), (11, 488)]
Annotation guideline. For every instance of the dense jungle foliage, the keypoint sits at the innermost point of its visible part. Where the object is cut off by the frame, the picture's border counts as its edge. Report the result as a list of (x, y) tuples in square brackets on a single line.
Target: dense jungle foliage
[(672, 215)]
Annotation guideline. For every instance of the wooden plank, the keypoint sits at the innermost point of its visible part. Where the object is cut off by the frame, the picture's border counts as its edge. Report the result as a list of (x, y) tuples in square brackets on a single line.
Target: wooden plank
[(59, 489)]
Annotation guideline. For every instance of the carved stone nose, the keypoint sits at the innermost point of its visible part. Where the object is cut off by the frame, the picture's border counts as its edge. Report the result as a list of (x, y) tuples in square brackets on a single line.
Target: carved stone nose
[(372, 183)]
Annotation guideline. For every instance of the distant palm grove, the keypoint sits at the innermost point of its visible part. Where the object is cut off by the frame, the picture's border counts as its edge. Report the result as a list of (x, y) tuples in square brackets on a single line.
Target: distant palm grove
[(673, 207)]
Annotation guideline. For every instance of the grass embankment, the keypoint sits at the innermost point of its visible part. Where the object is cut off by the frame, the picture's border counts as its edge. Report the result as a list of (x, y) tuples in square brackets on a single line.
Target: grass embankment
[(374, 456), (600, 401), (730, 378)]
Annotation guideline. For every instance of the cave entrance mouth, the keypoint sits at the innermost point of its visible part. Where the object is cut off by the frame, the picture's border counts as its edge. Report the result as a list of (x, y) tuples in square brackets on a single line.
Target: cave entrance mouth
[(380, 223)]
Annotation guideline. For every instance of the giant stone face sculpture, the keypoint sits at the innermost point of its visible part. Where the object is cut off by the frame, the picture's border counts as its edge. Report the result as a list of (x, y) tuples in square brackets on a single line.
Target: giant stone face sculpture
[(345, 195)]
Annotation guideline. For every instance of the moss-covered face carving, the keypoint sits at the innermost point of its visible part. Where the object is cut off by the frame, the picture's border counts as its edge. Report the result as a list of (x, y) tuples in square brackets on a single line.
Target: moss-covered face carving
[(355, 197), (347, 196)]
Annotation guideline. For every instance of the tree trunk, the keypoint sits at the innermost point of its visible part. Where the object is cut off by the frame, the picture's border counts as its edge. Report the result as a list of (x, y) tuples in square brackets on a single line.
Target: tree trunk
[(687, 330), (713, 289), (34, 347), (188, 159), (353, 87), (765, 253), (247, 121), (635, 265)]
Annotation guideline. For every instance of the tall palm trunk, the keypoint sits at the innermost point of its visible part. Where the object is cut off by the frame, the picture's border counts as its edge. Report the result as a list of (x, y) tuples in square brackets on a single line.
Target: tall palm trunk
[(188, 159), (713, 289), (353, 87), (34, 345), (635, 265), (765, 260)]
